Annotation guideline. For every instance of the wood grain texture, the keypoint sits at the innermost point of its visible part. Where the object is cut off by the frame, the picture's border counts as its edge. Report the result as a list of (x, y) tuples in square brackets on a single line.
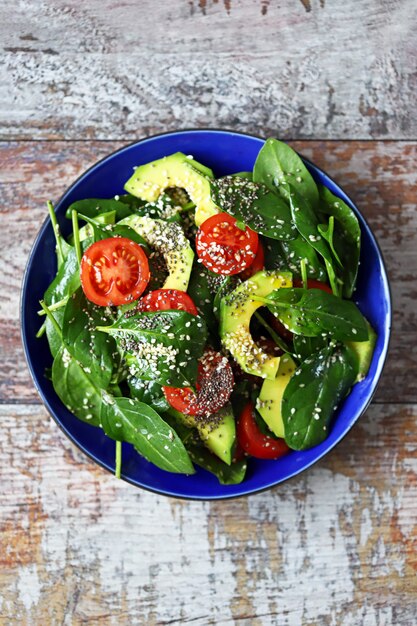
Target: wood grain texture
[(379, 176), (299, 69), (335, 546)]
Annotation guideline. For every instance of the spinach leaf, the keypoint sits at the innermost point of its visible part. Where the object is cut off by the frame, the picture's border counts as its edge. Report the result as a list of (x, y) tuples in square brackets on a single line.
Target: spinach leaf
[(306, 346), (94, 207), (327, 232), (132, 202), (125, 419), (227, 474), (149, 392), (62, 248), (163, 346), (95, 351), (76, 388), (311, 396), (88, 231), (287, 255), (307, 224), (66, 281), (277, 165), (228, 284), (247, 175), (347, 236), (165, 208), (206, 289), (255, 205), (100, 232), (54, 338), (312, 312), (200, 291)]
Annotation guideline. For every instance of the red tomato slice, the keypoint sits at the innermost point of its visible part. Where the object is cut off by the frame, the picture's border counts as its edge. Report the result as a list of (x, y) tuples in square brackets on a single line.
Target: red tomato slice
[(257, 265), (114, 271), (253, 441), (166, 300), (312, 284), (223, 247), (214, 386)]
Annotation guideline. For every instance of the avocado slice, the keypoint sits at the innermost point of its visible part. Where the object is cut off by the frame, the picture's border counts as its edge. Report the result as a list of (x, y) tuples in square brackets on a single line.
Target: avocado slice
[(364, 351), (177, 170), (219, 439), (236, 310), (269, 400), (167, 238)]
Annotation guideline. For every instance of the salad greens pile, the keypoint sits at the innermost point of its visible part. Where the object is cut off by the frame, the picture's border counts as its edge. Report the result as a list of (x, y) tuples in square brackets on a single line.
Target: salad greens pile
[(270, 301)]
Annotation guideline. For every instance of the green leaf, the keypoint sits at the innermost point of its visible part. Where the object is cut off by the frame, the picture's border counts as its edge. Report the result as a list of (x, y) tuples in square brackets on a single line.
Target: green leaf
[(76, 388), (313, 312), (347, 236), (277, 165), (100, 232), (246, 175), (54, 338), (149, 392), (254, 204), (93, 350), (227, 474), (66, 281), (327, 232), (313, 393), (206, 290), (307, 224), (93, 207), (125, 419), (163, 346), (287, 255), (62, 248), (306, 346), (164, 208)]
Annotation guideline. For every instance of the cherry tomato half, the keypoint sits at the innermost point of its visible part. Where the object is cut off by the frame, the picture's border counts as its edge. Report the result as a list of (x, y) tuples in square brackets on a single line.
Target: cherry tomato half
[(166, 300), (223, 247), (114, 271), (257, 265), (253, 441), (214, 385)]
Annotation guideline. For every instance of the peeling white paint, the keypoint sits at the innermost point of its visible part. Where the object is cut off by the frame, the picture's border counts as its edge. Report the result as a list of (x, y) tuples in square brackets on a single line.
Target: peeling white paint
[(28, 586)]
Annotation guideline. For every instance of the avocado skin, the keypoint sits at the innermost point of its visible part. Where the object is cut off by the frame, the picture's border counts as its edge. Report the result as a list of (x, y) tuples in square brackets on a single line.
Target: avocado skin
[(220, 439), (236, 310), (176, 170), (269, 400)]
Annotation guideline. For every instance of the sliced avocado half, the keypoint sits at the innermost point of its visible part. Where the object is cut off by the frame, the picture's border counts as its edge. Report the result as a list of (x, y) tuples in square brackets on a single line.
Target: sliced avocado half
[(236, 310), (268, 403), (219, 438), (167, 238), (177, 170), (364, 351)]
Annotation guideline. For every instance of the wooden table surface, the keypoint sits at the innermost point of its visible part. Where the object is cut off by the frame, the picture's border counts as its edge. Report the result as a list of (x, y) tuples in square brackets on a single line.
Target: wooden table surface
[(336, 545)]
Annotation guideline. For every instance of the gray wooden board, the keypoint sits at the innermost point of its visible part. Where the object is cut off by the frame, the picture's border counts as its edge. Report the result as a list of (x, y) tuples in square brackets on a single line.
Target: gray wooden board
[(334, 546), (299, 69)]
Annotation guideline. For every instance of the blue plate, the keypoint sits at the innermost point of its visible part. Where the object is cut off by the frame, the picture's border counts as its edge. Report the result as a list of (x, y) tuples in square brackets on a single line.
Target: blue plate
[(225, 152)]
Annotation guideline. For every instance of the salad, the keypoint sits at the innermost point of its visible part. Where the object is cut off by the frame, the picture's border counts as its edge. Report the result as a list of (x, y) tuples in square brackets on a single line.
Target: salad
[(208, 320)]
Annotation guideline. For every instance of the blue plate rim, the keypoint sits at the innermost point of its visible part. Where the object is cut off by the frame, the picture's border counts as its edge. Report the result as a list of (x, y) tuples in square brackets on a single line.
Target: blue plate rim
[(172, 493)]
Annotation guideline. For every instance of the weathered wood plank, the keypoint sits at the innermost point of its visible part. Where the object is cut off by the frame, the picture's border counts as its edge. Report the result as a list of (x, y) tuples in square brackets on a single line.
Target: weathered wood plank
[(303, 69), (336, 545), (380, 176)]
